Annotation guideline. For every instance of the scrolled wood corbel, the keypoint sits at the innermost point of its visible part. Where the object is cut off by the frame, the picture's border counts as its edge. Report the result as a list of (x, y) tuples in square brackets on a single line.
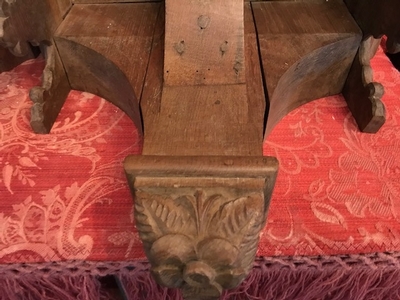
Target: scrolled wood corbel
[(199, 218), (26, 23), (362, 93), (49, 98)]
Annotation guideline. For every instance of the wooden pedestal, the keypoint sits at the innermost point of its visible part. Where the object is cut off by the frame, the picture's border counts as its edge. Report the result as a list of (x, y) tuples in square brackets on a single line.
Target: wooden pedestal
[(203, 82)]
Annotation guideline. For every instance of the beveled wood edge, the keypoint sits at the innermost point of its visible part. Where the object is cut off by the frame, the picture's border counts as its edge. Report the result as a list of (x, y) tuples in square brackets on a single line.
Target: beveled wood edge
[(190, 166)]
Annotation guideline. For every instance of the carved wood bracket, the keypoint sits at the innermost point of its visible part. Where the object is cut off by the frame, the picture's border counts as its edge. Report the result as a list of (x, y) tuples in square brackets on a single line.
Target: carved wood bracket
[(200, 217)]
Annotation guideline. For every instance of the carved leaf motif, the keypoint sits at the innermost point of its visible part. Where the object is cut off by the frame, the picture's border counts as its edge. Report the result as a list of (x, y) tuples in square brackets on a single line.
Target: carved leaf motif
[(158, 215), (240, 222)]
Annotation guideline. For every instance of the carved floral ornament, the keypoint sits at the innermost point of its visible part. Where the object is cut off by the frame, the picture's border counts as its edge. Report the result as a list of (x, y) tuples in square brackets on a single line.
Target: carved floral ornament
[(199, 240)]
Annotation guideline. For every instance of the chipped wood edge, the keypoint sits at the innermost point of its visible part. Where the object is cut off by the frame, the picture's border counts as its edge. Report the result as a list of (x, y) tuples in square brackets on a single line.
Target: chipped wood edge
[(49, 98)]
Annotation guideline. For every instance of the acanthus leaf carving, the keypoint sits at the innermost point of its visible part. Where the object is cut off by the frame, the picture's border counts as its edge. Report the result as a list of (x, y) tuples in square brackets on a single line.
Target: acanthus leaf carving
[(195, 240), (157, 216)]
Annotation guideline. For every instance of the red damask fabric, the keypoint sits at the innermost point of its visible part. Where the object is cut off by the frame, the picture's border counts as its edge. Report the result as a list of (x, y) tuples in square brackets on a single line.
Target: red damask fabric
[(64, 195)]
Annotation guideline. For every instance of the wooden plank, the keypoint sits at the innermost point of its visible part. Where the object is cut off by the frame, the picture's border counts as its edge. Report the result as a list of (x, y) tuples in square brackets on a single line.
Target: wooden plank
[(317, 42), (105, 49), (202, 164), (204, 42), (64, 6), (191, 119), (203, 119)]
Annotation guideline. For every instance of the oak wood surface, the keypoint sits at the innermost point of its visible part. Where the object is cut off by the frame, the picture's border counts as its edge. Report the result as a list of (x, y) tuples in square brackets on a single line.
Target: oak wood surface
[(213, 117), (204, 42), (306, 49), (201, 169), (105, 50)]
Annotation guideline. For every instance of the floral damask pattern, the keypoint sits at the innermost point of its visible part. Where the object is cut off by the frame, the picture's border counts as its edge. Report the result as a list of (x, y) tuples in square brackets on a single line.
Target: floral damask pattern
[(368, 177), (340, 188), (50, 184), (64, 195)]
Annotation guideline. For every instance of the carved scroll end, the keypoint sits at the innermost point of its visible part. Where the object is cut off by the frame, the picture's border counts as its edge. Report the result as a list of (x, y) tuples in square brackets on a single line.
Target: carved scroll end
[(362, 94), (200, 217), (50, 97)]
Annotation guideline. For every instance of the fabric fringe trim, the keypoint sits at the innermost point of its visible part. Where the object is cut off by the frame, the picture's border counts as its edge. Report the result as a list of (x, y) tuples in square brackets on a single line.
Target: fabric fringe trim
[(356, 277)]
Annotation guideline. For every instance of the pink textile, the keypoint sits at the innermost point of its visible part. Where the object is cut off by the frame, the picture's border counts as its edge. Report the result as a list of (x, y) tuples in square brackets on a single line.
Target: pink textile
[(64, 196)]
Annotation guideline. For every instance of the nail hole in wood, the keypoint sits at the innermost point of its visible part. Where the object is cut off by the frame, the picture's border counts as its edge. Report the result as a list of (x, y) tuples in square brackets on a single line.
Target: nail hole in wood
[(223, 48), (203, 21), (180, 47)]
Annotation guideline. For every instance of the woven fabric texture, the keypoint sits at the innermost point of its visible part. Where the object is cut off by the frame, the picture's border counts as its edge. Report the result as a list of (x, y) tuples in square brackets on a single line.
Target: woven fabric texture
[(64, 196)]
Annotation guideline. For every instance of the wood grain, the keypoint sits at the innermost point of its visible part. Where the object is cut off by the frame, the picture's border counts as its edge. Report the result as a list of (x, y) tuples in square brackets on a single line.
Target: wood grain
[(306, 48), (105, 51), (201, 170), (204, 42), (213, 117)]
